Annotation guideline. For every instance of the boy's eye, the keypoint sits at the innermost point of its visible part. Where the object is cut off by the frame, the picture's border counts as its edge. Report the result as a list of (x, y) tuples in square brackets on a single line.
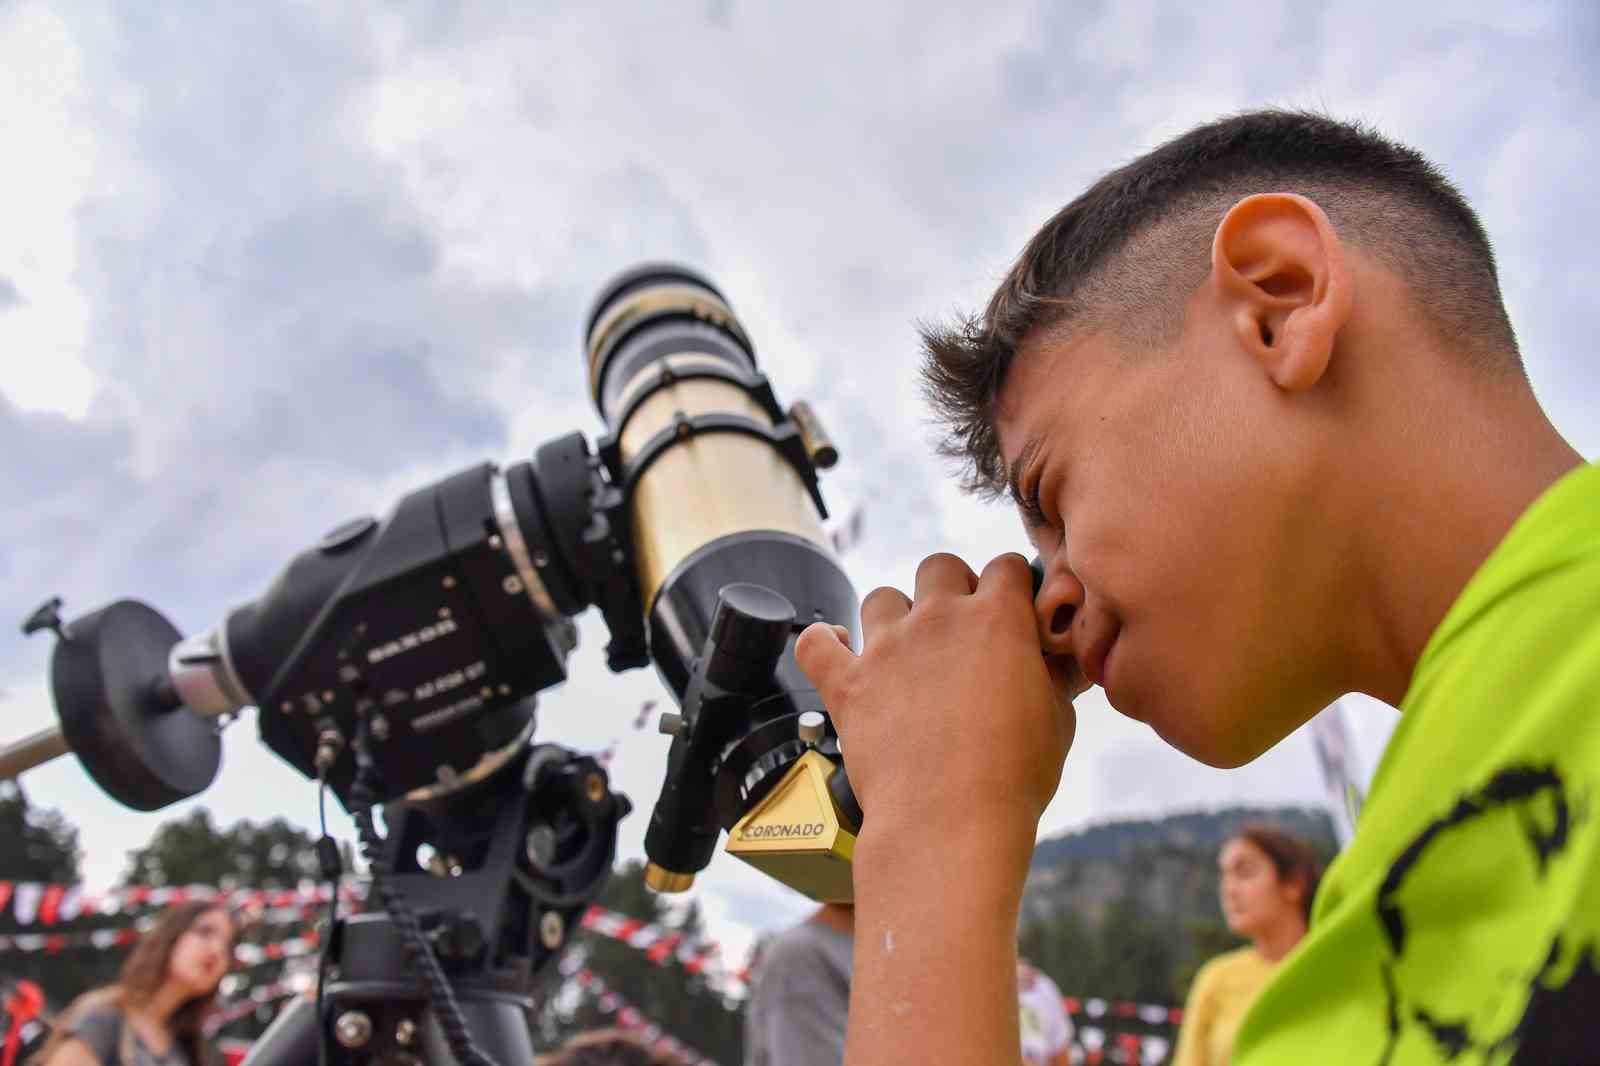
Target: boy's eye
[(1031, 508)]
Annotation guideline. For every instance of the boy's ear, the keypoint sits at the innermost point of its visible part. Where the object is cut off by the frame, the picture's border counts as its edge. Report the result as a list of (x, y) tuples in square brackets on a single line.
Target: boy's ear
[(1282, 277)]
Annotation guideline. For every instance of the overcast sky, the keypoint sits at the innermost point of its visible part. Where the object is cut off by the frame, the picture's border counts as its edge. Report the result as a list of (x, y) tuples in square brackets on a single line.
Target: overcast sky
[(265, 267)]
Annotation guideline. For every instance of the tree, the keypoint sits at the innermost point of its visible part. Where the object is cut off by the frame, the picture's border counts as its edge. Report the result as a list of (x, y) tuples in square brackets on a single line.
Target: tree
[(1065, 947), (193, 851), (35, 844), (40, 845), (683, 1004)]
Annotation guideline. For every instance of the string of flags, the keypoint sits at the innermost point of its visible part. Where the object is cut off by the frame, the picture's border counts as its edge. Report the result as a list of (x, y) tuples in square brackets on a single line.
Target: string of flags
[(1149, 1013), (1096, 1044), (662, 945), (26, 1022), (124, 935), (49, 904), (254, 1000), (628, 1016), (659, 943), (294, 947)]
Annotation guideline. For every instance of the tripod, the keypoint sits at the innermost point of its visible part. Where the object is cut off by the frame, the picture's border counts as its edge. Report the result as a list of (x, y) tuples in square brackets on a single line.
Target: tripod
[(516, 857)]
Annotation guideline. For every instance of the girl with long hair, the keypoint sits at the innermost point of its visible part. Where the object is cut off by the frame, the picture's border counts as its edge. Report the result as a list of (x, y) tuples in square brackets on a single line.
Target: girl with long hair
[(154, 1013), (1268, 880)]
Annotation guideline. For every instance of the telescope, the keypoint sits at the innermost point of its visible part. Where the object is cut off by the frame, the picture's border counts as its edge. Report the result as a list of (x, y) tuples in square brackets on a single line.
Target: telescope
[(398, 660)]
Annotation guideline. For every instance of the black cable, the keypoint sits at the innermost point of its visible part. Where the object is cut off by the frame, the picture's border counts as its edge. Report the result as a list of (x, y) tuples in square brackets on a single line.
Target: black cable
[(435, 984), (325, 845)]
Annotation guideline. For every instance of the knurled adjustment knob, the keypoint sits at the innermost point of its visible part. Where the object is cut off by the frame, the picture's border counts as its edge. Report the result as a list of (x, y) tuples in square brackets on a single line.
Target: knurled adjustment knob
[(748, 633), (752, 621), (812, 726)]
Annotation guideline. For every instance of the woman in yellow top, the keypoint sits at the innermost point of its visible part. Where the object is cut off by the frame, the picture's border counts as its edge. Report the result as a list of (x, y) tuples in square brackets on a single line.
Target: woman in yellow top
[(1268, 880)]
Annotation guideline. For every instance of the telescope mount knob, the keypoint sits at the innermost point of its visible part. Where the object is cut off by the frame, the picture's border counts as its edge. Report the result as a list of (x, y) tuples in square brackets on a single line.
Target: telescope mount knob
[(812, 726), (46, 616)]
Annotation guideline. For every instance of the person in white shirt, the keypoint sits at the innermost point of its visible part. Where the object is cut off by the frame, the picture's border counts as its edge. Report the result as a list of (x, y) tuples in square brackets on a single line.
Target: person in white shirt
[(1046, 1030)]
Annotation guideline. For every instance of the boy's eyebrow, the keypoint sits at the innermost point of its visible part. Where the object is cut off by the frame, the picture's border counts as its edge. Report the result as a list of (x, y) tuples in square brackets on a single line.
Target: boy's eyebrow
[(1018, 465)]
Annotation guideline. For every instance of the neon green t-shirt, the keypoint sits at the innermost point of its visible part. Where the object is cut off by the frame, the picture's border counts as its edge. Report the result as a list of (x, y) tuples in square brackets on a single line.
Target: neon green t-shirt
[(1462, 925)]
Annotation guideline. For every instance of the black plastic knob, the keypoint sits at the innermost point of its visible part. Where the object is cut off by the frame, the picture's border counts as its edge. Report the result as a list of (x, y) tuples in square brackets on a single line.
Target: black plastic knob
[(749, 631), (752, 621)]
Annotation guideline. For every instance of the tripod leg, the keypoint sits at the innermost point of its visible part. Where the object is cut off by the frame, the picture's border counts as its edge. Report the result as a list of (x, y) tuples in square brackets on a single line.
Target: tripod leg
[(291, 1039), (499, 1027)]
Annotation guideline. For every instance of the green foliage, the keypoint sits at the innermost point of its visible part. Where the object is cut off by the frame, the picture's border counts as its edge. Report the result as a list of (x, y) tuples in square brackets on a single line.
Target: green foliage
[(38, 844), (1129, 910), (193, 851), (681, 1003)]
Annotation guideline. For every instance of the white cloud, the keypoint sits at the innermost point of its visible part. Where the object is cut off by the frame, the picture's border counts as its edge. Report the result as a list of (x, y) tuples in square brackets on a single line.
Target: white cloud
[(51, 152), (276, 268)]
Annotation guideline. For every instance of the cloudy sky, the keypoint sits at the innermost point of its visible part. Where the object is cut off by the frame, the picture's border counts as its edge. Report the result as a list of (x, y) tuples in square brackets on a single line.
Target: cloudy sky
[(264, 267)]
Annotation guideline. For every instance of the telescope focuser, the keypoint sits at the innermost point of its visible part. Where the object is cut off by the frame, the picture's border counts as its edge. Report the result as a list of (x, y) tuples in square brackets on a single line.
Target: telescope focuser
[(785, 802), (734, 671)]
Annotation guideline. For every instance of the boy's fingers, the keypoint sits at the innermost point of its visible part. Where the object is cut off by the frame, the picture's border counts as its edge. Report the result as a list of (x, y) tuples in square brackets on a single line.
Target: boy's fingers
[(823, 654), (883, 606), (943, 574), (1010, 576)]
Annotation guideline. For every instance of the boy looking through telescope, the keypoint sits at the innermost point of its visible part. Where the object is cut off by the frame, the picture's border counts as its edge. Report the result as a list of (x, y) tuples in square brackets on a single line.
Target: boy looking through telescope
[(1259, 403)]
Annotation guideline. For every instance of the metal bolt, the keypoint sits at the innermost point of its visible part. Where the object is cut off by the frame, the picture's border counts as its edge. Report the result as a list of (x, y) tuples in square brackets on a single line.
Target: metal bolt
[(495, 542), (595, 786), (327, 695), (353, 1029), (287, 706), (486, 692), (444, 612), (670, 724), (505, 690), (512, 585), (541, 846), (449, 582), (380, 727), (405, 1033), (540, 559), (812, 726), (552, 930), (329, 744)]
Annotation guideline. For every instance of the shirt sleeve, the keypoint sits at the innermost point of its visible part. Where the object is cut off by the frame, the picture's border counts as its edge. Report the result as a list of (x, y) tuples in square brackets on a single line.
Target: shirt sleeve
[(1196, 1022), (804, 1010), (97, 1028)]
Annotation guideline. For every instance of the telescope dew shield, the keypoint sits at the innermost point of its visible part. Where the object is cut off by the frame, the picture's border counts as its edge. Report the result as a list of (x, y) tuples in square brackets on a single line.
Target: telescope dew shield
[(719, 483)]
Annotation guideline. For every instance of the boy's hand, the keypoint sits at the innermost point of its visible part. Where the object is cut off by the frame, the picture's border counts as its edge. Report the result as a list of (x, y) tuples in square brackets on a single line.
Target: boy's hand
[(950, 710)]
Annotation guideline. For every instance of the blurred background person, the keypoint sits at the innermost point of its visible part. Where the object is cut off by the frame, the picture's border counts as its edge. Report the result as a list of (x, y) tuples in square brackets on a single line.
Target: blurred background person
[(1269, 878), (607, 1047), (800, 996), (153, 1014), (1046, 1029)]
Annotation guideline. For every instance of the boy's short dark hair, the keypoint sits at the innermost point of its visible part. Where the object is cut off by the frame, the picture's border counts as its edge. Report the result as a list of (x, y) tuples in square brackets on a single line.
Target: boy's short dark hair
[(1127, 253)]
